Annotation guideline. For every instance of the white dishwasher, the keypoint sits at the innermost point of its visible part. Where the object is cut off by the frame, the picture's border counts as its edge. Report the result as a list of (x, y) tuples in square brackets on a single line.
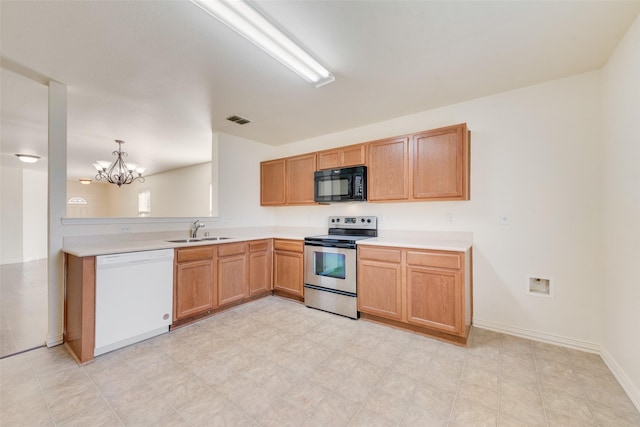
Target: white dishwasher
[(134, 297)]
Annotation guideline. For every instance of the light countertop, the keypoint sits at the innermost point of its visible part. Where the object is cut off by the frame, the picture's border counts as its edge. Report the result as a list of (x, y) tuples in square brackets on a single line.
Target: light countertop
[(419, 243), (135, 242)]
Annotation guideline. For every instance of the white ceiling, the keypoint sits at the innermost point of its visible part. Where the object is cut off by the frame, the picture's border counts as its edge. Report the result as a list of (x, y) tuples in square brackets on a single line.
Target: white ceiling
[(164, 75)]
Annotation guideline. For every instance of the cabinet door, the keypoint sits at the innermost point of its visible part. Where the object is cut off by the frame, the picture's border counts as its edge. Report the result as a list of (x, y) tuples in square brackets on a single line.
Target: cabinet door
[(299, 187), (388, 174), (287, 272), (434, 299), (353, 155), (440, 164), (272, 183), (232, 278), (380, 289), (329, 159), (259, 267), (193, 288)]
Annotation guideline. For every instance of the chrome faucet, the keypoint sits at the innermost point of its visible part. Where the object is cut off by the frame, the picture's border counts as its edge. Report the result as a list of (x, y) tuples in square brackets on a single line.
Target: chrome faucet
[(195, 227)]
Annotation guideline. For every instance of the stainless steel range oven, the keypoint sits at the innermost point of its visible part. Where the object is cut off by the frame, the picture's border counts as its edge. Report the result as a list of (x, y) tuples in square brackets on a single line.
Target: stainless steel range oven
[(330, 264)]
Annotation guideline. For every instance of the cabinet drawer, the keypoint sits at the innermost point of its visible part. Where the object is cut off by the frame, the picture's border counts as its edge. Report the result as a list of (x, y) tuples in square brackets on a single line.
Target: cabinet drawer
[(194, 254), (229, 249), (288, 245), (434, 259), (379, 254), (259, 246)]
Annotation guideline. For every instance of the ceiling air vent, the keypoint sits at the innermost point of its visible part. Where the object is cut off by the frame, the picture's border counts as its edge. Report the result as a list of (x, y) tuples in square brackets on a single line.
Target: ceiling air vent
[(239, 120)]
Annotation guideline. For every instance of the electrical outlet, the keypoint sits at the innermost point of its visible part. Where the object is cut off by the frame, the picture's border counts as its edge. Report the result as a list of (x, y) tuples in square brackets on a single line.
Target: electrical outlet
[(381, 219), (124, 229), (449, 216), (505, 219)]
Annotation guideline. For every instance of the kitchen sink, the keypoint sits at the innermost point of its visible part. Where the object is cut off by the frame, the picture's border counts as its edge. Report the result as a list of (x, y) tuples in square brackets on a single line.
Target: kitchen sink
[(184, 240), (216, 238)]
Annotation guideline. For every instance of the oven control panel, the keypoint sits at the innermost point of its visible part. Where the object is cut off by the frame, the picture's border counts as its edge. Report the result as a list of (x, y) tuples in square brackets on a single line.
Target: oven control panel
[(356, 222)]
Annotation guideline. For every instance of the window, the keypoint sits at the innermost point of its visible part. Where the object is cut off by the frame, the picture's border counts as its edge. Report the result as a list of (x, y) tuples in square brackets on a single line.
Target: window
[(144, 203), (76, 201)]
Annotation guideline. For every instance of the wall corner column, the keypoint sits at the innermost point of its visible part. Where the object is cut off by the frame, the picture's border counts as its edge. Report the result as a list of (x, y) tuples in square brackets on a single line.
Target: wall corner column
[(57, 208)]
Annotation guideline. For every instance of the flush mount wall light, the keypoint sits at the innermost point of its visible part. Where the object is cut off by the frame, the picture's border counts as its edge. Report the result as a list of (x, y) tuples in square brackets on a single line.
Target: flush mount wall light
[(256, 28), (85, 181), (28, 158), (118, 172)]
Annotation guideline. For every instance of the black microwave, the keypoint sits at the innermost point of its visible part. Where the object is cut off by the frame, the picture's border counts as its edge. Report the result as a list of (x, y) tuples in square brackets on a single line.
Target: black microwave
[(340, 185)]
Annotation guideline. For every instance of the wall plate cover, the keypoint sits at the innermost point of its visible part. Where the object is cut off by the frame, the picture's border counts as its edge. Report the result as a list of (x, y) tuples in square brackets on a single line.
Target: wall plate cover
[(539, 286)]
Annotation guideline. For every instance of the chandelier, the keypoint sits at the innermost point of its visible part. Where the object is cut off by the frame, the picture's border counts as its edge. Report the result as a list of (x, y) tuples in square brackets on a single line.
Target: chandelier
[(118, 172)]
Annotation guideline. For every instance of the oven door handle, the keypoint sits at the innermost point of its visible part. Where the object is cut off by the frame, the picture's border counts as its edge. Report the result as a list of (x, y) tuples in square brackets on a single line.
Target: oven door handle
[(332, 291), (331, 245)]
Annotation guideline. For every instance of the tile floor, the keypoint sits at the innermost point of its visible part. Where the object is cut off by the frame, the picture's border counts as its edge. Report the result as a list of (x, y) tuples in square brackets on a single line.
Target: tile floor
[(274, 362), (23, 306)]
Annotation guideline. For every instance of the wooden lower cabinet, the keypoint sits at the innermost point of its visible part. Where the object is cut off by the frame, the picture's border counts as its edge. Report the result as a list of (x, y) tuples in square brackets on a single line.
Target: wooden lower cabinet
[(434, 299), (233, 274), (194, 284), (79, 306), (425, 290), (380, 285), (288, 264), (260, 266)]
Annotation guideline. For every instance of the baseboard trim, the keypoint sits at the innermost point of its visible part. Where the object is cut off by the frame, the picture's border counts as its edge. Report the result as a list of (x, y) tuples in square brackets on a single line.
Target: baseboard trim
[(539, 336), (624, 380), (615, 368), (54, 341)]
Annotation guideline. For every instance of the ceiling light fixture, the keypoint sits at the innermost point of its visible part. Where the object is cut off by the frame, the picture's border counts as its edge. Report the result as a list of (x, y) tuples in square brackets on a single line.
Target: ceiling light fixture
[(28, 158), (118, 172), (256, 28)]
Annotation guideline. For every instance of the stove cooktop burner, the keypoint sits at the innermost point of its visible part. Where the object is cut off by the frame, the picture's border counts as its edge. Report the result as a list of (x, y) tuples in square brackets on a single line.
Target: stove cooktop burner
[(347, 230), (336, 238)]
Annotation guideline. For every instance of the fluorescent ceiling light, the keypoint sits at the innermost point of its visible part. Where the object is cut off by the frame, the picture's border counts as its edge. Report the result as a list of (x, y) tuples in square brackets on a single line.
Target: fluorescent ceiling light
[(248, 22), (28, 158)]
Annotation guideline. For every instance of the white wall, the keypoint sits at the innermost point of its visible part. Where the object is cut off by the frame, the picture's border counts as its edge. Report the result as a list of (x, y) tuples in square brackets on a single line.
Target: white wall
[(10, 215), (96, 195), (621, 222), (34, 210), (23, 215), (535, 156), (239, 190), (182, 192)]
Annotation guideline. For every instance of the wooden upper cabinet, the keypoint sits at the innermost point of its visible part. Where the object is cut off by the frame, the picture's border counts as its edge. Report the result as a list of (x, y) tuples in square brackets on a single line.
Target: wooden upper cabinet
[(299, 179), (272, 182), (429, 165), (352, 155), (287, 181), (388, 169), (440, 164)]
